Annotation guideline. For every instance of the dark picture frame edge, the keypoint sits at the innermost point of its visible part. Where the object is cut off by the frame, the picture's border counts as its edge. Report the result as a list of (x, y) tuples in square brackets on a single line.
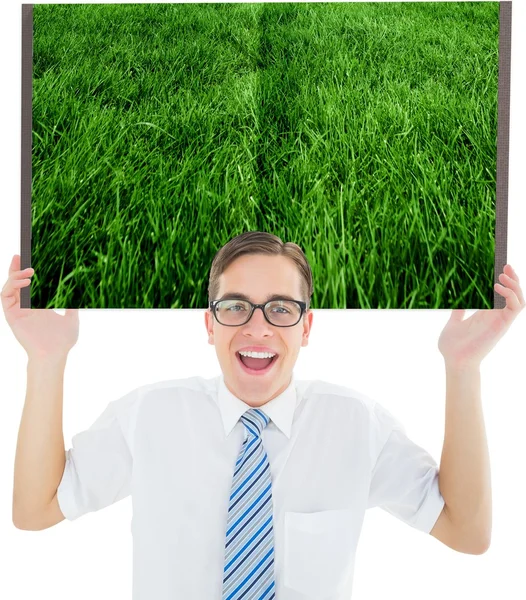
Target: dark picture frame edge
[(26, 146), (503, 147)]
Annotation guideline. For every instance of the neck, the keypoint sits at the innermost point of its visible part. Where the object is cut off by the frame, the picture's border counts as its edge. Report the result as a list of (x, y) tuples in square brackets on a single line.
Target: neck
[(253, 399)]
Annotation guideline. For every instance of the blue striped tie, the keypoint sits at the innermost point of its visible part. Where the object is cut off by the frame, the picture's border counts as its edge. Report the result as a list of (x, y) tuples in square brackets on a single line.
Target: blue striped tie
[(249, 546)]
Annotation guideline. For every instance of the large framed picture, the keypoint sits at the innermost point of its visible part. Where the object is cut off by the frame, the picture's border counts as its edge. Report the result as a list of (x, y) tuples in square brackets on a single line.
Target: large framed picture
[(372, 134)]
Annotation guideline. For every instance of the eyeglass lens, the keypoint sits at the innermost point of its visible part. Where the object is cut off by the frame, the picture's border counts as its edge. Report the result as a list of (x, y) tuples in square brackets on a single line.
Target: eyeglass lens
[(279, 312)]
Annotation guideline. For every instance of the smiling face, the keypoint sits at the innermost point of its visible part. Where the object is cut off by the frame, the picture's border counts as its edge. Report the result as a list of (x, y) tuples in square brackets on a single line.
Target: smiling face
[(259, 276)]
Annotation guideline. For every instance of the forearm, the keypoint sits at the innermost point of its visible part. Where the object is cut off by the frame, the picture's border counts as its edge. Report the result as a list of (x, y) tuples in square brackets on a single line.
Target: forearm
[(40, 452), (464, 478)]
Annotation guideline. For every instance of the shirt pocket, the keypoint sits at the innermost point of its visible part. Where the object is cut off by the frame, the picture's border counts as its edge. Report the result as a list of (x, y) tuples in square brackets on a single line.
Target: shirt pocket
[(319, 550)]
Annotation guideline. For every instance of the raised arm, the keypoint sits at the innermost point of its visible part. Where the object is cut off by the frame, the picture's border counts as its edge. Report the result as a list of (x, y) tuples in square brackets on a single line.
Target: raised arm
[(464, 478), (40, 453), (47, 338)]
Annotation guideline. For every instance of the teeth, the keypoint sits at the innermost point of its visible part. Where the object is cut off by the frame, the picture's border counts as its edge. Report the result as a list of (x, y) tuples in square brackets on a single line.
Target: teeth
[(257, 354)]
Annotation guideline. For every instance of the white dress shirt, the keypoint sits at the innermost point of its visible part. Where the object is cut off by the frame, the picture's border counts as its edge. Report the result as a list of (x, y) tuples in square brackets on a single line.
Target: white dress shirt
[(172, 446)]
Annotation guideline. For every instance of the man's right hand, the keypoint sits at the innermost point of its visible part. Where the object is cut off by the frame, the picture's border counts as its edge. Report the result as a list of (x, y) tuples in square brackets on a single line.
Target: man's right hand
[(41, 332)]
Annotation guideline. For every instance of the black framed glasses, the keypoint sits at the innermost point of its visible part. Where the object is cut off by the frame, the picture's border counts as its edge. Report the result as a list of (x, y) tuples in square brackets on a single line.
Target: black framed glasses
[(281, 313)]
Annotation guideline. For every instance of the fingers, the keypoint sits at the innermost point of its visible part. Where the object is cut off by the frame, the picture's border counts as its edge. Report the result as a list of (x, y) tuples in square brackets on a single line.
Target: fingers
[(18, 283), (15, 277), (457, 314), (15, 264), (508, 270), (511, 281), (10, 293), (15, 281), (512, 301)]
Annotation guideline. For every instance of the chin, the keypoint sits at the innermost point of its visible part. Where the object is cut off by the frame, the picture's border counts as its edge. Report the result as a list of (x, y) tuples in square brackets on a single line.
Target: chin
[(254, 389)]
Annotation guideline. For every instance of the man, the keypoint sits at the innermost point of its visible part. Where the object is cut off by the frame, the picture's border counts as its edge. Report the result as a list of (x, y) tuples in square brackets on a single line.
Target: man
[(253, 485)]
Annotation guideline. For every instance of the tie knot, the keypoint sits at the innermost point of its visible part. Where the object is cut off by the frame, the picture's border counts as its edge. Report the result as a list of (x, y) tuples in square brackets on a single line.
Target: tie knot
[(255, 420)]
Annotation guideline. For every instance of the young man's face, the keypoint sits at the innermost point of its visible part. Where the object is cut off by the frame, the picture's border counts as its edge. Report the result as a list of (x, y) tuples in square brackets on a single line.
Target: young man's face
[(259, 276)]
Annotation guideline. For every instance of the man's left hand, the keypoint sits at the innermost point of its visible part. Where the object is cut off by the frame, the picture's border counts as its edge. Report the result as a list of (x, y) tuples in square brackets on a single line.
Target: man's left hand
[(466, 343)]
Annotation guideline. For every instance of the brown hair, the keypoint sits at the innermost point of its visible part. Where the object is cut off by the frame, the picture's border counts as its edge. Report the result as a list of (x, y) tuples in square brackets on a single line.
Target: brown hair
[(259, 242)]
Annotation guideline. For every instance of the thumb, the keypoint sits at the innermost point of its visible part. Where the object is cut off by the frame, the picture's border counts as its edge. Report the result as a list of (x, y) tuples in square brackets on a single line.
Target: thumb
[(457, 314)]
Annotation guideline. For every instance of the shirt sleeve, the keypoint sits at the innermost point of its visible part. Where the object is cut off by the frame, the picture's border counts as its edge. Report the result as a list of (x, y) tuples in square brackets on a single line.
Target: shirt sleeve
[(99, 464), (404, 479)]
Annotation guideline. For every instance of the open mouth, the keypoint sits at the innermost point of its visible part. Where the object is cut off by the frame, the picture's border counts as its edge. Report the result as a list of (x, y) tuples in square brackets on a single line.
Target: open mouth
[(256, 366)]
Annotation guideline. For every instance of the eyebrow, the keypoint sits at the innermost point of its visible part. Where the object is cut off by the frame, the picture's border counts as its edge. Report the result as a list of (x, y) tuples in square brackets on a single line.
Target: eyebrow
[(238, 296)]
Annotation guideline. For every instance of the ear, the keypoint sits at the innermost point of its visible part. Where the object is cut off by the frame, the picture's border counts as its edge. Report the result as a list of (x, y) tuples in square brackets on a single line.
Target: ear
[(307, 325), (209, 323)]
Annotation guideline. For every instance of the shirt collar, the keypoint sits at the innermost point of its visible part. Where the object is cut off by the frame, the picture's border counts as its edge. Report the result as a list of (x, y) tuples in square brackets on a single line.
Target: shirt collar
[(280, 409)]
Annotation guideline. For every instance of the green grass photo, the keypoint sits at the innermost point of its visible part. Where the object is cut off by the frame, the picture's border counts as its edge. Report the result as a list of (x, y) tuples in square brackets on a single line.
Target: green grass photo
[(364, 132)]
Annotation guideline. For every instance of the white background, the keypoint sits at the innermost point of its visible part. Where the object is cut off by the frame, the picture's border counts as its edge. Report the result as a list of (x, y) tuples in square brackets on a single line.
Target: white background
[(391, 356)]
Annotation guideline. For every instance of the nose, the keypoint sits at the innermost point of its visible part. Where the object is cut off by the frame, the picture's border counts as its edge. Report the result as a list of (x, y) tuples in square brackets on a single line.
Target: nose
[(258, 326)]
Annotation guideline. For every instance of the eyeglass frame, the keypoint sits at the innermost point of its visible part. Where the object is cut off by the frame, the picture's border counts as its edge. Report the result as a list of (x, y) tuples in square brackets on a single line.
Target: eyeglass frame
[(302, 305)]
